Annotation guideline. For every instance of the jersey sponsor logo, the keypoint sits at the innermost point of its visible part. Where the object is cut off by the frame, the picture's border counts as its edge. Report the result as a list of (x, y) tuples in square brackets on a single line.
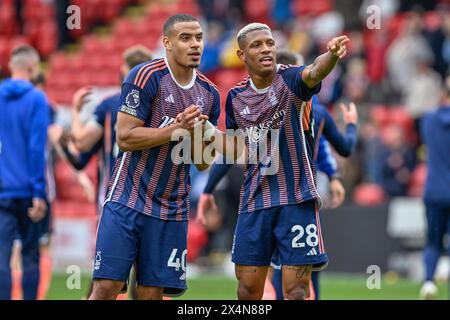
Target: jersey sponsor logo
[(170, 99), (254, 133)]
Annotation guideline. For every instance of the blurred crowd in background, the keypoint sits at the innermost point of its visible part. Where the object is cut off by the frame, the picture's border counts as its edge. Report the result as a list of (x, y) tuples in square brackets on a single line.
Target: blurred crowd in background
[(393, 72)]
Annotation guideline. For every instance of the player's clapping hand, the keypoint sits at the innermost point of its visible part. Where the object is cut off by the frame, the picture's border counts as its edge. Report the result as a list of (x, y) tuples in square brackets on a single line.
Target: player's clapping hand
[(349, 113), (191, 117), (37, 211), (337, 46), (79, 98)]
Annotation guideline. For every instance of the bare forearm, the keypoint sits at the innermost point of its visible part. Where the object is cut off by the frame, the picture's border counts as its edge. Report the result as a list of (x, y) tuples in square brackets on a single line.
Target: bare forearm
[(141, 138), (319, 69), (76, 128)]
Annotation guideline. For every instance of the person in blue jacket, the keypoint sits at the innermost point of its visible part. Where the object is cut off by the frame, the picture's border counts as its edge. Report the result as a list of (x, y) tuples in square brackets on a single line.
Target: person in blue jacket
[(435, 131), (24, 118)]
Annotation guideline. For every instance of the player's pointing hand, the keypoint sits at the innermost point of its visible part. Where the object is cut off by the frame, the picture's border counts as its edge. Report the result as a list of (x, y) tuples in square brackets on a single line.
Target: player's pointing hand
[(337, 46)]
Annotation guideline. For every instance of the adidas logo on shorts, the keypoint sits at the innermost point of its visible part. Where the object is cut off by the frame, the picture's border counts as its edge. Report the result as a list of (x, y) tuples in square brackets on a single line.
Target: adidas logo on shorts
[(312, 252)]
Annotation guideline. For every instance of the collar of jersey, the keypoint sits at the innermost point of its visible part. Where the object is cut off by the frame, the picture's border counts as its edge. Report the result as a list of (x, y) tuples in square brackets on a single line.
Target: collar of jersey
[(185, 87), (263, 90)]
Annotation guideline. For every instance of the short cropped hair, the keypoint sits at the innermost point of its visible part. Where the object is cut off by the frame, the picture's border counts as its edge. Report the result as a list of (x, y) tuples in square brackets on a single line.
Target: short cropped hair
[(136, 55), (170, 22), (289, 57), (22, 56), (242, 34)]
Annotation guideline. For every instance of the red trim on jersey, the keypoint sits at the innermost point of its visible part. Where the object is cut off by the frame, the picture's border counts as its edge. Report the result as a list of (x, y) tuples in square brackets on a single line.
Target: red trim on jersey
[(144, 82), (204, 78), (143, 69)]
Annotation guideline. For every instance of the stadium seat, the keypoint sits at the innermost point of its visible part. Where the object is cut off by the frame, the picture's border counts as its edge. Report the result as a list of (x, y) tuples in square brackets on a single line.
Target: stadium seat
[(8, 20), (317, 7), (368, 194)]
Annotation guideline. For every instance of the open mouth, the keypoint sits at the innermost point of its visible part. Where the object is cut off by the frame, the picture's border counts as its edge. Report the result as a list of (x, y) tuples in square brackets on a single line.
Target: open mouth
[(266, 61)]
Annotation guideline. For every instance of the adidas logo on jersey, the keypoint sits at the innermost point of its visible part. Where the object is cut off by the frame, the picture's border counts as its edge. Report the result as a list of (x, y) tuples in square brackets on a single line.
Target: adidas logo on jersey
[(245, 111), (312, 252), (170, 99)]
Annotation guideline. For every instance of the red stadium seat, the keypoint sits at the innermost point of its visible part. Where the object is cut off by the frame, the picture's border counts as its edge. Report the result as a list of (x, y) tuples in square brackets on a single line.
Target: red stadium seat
[(368, 194), (317, 7), (8, 20)]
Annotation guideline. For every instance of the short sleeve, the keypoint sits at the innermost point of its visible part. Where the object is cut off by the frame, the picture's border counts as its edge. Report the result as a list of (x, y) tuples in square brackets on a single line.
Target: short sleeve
[(100, 112), (137, 97), (215, 110), (229, 116), (292, 76)]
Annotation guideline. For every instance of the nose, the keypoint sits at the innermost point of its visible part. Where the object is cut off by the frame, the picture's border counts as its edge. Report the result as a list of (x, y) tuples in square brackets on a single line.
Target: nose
[(266, 49), (196, 43)]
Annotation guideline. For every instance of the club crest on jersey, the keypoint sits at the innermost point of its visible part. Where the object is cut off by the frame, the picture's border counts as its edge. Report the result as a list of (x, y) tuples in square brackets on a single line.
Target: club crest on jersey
[(200, 103), (132, 100), (272, 97)]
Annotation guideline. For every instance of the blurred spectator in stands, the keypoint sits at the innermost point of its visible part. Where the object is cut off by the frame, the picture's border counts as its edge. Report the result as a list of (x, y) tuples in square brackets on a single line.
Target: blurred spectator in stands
[(436, 35), (403, 54), (282, 12), (398, 162), (19, 11), (216, 38), (61, 17), (423, 91), (446, 44), (229, 12)]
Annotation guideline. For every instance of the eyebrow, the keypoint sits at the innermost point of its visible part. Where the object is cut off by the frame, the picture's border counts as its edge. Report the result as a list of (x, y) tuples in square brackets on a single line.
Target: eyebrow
[(190, 34)]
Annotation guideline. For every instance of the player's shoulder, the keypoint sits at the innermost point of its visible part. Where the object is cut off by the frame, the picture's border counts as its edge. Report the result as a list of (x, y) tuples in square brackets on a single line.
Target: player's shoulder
[(288, 69), (240, 87), (145, 72), (112, 98), (109, 101), (205, 82), (39, 96)]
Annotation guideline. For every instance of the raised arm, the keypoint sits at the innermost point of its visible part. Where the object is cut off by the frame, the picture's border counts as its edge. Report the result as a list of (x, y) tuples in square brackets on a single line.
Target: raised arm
[(324, 64), (343, 144), (85, 136)]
